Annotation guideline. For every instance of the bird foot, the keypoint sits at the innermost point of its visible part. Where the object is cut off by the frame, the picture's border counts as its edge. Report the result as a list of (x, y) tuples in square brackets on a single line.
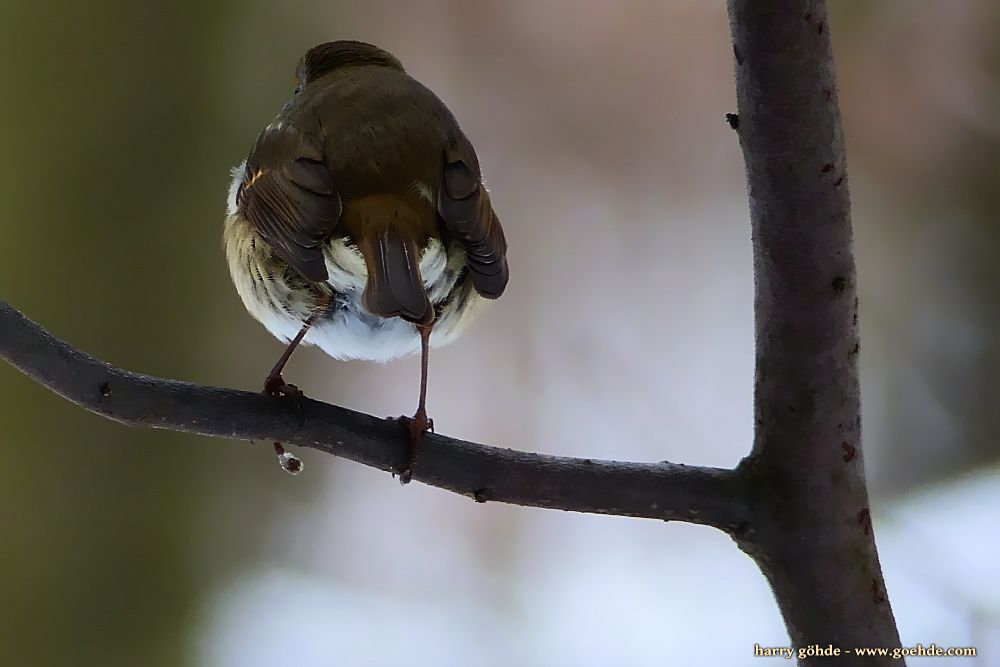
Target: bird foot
[(275, 385), (416, 425)]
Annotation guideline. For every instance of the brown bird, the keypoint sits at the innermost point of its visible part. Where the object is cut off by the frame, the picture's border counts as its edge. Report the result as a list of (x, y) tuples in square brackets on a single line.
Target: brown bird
[(359, 222)]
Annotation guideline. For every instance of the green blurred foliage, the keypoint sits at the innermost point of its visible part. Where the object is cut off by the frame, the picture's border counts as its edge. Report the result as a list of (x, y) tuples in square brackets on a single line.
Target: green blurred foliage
[(111, 205)]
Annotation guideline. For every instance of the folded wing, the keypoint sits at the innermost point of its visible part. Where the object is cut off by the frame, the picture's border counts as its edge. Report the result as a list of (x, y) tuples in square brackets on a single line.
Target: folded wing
[(464, 206), (288, 195)]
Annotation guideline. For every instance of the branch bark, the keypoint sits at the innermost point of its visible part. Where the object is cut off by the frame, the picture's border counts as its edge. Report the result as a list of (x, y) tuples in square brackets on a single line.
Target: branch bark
[(666, 491), (814, 539)]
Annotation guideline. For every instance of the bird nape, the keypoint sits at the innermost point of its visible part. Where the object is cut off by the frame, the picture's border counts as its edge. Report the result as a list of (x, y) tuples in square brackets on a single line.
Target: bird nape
[(359, 222)]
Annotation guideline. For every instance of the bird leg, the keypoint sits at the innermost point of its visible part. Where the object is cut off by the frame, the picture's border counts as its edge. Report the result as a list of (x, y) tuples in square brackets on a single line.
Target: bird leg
[(419, 423), (274, 384)]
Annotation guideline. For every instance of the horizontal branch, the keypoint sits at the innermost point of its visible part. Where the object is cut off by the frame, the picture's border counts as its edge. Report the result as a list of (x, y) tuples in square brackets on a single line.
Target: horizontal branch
[(666, 491)]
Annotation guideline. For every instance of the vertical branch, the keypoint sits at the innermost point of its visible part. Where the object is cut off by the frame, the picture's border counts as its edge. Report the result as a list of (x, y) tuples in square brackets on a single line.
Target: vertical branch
[(813, 539)]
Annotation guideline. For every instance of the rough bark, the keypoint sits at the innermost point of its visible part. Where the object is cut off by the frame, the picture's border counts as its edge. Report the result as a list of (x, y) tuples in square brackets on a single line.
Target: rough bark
[(664, 491), (813, 538)]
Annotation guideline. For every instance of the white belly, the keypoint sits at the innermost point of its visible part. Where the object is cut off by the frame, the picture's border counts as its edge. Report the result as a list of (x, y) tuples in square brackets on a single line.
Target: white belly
[(347, 330), (351, 332)]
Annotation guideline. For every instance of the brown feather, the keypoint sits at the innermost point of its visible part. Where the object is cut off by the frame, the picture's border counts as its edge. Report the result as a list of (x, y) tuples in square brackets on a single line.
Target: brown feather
[(288, 196), (327, 57), (464, 206), (394, 285), (389, 232), (368, 155)]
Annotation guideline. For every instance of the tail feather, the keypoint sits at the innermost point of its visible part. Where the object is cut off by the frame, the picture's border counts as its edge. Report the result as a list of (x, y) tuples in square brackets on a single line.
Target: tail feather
[(395, 287)]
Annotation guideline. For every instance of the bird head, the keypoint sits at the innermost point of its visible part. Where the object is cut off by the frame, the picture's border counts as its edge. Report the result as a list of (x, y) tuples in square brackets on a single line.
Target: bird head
[(329, 56)]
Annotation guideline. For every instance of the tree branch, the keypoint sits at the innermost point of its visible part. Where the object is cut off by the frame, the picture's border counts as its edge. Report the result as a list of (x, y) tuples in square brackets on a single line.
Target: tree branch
[(666, 491), (814, 540)]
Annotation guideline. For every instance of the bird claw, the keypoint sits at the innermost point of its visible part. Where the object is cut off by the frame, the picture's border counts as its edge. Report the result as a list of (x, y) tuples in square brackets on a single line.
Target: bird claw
[(275, 385), (416, 426)]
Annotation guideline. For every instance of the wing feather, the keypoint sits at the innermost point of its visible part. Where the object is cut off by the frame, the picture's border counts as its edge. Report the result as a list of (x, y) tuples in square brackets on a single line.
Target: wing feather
[(464, 206), (289, 196)]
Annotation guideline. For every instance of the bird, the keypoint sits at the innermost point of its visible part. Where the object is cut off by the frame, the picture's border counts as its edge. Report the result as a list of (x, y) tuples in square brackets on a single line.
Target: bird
[(359, 222)]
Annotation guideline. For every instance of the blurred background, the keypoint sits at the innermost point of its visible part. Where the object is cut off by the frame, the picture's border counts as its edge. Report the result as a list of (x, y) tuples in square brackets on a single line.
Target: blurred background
[(600, 126)]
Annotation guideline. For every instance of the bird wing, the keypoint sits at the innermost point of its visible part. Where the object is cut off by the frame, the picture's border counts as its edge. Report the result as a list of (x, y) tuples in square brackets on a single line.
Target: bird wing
[(464, 206), (288, 195)]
